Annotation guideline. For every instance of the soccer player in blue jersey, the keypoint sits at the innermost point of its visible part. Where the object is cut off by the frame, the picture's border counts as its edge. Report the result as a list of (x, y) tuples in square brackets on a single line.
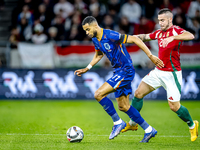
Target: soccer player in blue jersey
[(110, 43)]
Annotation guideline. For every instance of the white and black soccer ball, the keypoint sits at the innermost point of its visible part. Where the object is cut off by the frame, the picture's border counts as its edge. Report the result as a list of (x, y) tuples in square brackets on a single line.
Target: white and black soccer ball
[(75, 134)]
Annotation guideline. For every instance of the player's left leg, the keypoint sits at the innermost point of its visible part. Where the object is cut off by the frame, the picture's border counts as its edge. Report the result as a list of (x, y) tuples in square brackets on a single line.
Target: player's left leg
[(184, 114), (172, 84), (106, 103), (123, 104)]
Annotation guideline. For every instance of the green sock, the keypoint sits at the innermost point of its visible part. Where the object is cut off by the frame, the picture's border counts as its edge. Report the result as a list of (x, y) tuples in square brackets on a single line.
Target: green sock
[(184, 114), (137, 103)]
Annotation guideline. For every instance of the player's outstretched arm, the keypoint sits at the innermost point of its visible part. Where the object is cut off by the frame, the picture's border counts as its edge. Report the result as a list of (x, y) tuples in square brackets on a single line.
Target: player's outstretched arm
[(138, 42), (97, 57), (144, 37), (185, 36)]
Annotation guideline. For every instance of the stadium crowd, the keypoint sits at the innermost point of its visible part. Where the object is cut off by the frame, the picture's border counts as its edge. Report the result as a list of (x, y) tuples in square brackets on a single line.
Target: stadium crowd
[(45, 20)]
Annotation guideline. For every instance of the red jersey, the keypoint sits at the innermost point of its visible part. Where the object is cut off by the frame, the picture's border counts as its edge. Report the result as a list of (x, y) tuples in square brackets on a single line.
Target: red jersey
[(169, 55)]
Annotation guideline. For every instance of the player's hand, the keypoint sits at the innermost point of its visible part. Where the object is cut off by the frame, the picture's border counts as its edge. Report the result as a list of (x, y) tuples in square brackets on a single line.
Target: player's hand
[(80, 71), (166, 41), (159, 63)]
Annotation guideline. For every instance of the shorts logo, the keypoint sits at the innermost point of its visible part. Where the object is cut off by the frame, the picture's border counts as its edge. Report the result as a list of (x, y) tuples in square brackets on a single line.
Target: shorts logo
[(107, 46), (171, 98)]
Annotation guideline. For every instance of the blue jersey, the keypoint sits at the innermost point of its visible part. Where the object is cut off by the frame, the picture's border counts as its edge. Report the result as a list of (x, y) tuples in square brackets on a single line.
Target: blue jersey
[(111, 44)]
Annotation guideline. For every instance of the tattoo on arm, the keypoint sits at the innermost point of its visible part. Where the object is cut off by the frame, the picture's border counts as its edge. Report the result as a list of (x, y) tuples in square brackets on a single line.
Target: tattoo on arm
[(143, 37)]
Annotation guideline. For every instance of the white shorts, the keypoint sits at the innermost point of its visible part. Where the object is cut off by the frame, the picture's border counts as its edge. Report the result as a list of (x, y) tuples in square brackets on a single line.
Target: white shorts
[(171, 81)]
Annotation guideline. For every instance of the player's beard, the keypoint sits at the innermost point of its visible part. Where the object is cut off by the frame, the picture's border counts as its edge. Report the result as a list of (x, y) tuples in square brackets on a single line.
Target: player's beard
[(167, 26), (95, 34)]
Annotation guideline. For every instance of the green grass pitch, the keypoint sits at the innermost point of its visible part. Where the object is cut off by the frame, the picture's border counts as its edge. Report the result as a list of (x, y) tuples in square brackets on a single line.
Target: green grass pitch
[(41, 125)]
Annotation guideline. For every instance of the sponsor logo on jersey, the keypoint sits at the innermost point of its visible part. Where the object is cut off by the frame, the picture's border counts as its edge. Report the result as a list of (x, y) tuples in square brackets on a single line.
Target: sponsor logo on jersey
[(171, 98)]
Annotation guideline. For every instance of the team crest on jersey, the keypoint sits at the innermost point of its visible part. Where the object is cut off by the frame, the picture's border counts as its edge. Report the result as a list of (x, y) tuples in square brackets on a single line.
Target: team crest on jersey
[(167, 34), (107, 46), (160, 35)]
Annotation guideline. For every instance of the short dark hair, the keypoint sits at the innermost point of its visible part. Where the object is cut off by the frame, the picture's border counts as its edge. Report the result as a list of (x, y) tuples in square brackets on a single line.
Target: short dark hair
[(164, 10), (89, 20)]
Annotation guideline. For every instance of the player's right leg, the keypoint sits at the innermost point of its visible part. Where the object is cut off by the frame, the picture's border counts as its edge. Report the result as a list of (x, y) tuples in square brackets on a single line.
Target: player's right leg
[(123, 103), (137, 102), (106, 103)]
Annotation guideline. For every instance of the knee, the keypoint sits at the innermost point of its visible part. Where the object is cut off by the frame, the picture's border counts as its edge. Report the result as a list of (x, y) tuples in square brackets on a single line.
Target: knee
[(98, 95), (138, 94), (123, 108), (171, 107), (174, 107)]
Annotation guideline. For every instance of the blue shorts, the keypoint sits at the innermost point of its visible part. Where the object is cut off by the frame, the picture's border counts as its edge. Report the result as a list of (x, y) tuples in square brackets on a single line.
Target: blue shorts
[(121, 81)]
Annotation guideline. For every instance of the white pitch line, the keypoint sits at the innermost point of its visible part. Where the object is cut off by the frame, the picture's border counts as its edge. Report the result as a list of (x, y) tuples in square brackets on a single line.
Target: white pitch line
[(87, 135)]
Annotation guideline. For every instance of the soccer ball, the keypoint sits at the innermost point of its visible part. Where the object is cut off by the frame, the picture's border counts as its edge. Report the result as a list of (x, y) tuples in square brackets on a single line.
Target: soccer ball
[(75, 134)]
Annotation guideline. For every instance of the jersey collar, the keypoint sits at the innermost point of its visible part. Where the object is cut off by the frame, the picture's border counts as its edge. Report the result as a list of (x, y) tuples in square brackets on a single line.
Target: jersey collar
[(101, 34), (170, 28)]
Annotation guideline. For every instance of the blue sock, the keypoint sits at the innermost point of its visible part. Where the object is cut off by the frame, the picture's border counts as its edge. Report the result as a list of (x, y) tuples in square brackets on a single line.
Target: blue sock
[(135, 116), (109, 108)]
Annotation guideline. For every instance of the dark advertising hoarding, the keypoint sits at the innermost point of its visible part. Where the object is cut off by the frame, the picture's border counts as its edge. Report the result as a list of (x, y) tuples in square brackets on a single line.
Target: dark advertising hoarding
[(62, 84)]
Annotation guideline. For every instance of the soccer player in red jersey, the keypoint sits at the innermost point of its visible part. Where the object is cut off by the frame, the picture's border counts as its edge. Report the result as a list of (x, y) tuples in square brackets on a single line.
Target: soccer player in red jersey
[(170, 39)]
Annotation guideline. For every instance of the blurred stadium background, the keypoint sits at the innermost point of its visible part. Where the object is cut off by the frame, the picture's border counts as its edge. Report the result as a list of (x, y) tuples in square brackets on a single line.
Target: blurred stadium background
[(42, 43)]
